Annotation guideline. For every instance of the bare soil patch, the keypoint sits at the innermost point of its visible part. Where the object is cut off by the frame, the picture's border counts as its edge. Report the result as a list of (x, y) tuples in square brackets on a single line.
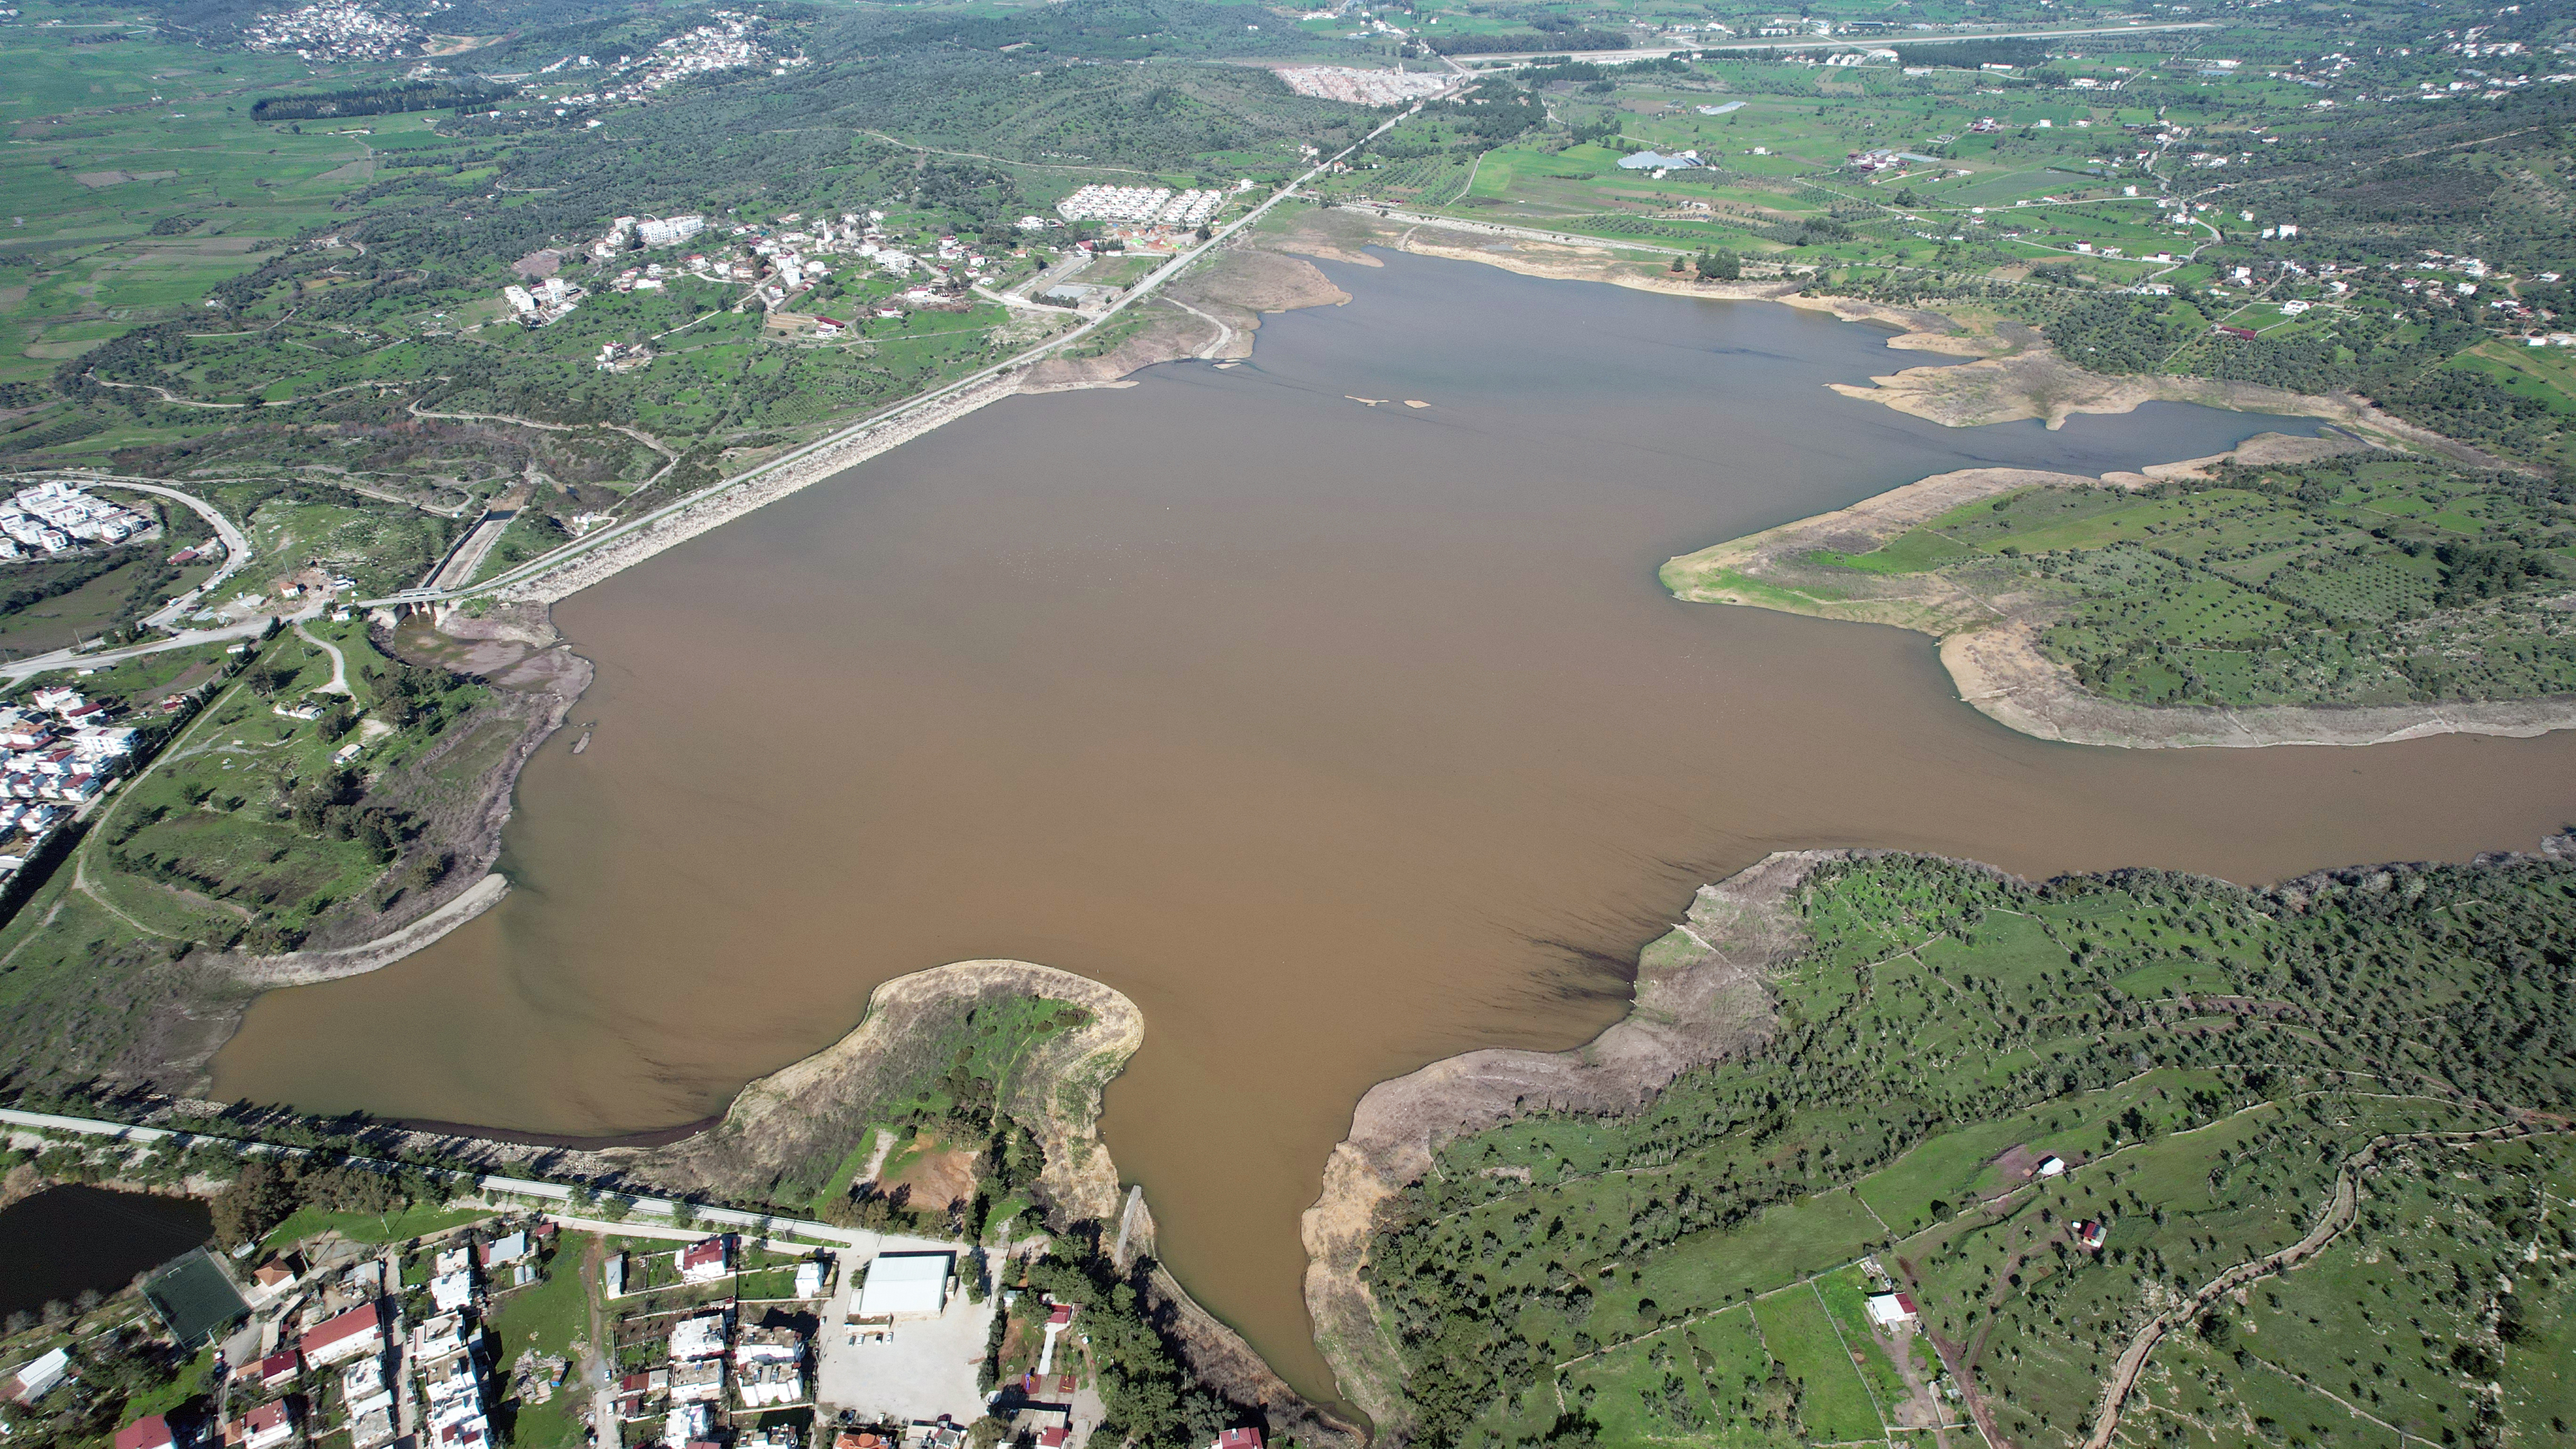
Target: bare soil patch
[(1232, 291), (939, 1179)]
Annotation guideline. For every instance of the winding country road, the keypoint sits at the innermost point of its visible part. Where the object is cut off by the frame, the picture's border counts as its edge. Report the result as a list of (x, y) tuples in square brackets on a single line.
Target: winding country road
[(339, 662), (237, 554), (2340, 1213), (236, 543)]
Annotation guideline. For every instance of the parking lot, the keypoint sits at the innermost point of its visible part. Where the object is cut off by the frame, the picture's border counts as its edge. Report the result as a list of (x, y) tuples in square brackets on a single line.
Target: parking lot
[(926, 1368)]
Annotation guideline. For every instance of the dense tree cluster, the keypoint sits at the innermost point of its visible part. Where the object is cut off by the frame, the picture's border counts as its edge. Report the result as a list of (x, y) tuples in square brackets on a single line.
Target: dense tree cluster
[(380, 100)]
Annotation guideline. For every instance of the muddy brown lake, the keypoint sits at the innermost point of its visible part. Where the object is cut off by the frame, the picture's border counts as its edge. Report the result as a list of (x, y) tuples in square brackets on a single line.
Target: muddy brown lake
[(1340, 737)]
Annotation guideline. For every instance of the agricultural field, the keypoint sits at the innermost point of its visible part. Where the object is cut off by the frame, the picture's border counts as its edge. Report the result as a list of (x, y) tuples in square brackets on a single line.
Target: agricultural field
[(2382, 581), (2236, 203), (2071, 1054)]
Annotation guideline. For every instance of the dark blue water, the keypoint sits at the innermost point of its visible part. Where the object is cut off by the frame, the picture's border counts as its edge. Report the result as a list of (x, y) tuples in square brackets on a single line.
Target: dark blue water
[(66, 1239)]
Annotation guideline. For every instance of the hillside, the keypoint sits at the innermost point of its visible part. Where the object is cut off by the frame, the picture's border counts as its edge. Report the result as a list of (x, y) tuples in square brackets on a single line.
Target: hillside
[(2321, 1131)]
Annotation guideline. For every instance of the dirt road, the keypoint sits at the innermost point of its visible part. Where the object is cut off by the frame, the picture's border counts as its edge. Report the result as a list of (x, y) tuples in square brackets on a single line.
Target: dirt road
[(2340, 1212)]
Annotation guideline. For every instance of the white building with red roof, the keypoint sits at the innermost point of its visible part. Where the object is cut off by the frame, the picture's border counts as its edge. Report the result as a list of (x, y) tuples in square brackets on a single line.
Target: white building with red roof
[(265, 1427), (705, 1261), (342, 1337), (1890, 1310), (152, 1431)]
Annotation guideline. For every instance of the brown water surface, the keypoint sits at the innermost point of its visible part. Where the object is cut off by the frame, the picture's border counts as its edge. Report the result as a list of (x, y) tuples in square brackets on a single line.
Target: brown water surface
[(1340, 737)]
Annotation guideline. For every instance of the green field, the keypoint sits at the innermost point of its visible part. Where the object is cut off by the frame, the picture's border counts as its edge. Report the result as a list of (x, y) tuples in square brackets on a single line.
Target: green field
[(248, 829), (539, 1322), (400, 1226), (1833, 1402), (1945, 1031)]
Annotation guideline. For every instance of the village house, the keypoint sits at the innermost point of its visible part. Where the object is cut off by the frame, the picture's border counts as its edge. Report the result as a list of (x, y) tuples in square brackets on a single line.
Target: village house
[(36, 1377), (771, 1385), (451, 1292), (1890, 1311), (152, 1431), (277, 1370), (1059, 1319), (699, 1337), (265, 1427), (274, 1276), (342, 1337), (704, 1262), (687, 1425), (700, 1381), (437, 1337)]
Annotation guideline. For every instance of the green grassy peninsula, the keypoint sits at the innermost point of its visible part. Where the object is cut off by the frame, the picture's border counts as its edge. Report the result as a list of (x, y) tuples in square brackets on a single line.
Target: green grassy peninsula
[(2270, 588)]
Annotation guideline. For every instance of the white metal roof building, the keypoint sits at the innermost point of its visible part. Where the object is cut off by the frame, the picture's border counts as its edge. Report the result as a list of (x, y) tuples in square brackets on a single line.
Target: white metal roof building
[(903, 1284)]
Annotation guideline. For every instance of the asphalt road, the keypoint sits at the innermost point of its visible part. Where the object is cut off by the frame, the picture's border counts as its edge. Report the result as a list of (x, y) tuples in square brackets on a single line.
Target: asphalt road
[(236, 555), (1138, 293), (18, 669)]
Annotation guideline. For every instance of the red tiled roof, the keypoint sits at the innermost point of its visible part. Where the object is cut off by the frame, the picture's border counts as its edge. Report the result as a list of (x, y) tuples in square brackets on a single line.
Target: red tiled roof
[(699, 1254), (267, 1416), (1905, 1301), (149, 1432), (355, 1323), (1239, 1439), (278, 1365)]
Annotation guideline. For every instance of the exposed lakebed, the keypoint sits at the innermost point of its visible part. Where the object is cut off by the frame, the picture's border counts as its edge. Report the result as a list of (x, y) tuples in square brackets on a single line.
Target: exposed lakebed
[(1339, 737)]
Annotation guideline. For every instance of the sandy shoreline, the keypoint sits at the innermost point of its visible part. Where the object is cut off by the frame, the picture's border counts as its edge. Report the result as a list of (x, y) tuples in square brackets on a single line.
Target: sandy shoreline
[(1700, 997), (2002, 671), (1706, 1006), (1216, 311), (308, 968), (806, 1115)]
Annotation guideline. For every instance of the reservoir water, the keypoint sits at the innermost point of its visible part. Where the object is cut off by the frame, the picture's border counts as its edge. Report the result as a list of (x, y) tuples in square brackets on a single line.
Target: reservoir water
[(66, 1239), (1340, 737)]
